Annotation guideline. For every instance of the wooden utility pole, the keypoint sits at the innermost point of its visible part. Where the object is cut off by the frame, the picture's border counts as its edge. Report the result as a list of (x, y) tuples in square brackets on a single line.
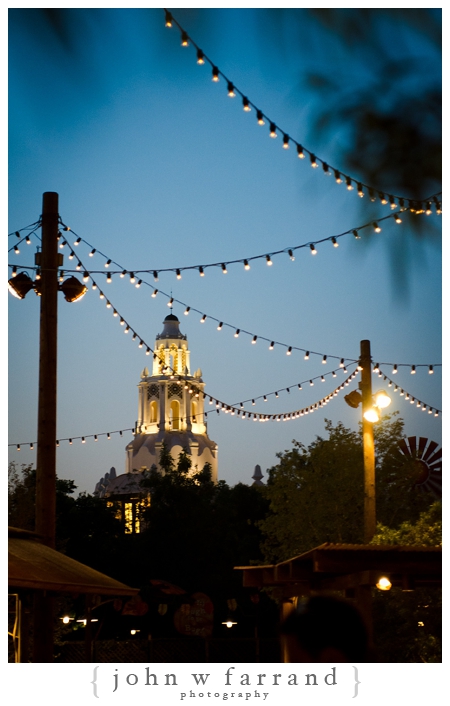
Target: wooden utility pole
[(46, 433), (368, 443)]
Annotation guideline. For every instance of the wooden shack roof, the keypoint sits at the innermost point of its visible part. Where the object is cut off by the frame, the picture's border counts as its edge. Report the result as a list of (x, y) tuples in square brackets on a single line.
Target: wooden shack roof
[(32, 565), (341, 566)]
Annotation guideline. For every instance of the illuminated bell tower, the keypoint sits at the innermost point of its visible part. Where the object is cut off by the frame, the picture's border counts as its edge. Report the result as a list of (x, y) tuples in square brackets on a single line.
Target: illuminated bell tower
[(171, 407)]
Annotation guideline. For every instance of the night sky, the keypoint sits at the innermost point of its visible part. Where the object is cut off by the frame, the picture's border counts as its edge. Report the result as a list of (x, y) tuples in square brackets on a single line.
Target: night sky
[(156, 167)]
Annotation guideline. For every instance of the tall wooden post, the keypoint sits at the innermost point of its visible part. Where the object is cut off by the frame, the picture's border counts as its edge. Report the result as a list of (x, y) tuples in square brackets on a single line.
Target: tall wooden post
[(368, 443), (46, 434)]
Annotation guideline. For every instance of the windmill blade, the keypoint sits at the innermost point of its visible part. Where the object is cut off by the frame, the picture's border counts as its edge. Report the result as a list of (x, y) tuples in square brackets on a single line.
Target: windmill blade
[(412, 444), (422, 444), (435, 457), (402, 445), (431, 448), (434, 485)]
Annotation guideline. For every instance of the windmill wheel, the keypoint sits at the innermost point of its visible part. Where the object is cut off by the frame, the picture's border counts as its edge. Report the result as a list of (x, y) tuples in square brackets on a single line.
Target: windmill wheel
[(427, 463)]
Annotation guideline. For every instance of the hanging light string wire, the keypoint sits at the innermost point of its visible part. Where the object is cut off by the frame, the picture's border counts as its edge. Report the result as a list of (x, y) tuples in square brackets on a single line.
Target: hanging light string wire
[(223, 264), (415, 205), (32, 227), (204, 317), (424, 406), (188, 309), (220, 407)]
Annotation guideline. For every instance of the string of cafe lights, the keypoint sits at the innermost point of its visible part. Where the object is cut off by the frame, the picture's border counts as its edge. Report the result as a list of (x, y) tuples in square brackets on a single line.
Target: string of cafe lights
[(424, 406), (204, 317), (233, 410), (30, 231), (352, 184), (224, 264)]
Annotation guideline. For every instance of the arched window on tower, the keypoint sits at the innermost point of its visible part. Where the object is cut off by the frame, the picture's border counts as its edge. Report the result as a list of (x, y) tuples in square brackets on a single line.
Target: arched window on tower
[(175, 414), (153, 412), (194, 409)]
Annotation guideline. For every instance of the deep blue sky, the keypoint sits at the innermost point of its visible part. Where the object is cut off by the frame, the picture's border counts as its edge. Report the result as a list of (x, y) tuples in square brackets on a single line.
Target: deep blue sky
[(156, 167)]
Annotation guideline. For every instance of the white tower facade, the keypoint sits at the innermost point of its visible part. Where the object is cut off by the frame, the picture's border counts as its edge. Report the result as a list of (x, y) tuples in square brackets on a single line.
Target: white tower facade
[(171, 407)]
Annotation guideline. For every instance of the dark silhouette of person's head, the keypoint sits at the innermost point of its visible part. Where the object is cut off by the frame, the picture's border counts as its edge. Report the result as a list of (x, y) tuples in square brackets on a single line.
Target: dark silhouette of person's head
[(325, 629)]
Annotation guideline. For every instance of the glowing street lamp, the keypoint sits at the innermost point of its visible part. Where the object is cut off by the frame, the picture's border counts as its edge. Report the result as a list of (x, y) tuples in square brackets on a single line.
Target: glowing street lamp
[(371, 406)]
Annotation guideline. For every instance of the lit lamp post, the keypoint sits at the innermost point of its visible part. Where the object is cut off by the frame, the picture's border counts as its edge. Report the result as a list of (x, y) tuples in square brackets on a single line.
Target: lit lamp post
[(371, 406), (46, 287)]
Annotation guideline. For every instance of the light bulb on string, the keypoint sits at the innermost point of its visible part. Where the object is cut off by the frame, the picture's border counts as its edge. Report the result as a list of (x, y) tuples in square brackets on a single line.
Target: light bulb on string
[(360, 190), (268, 260), (168, 19), (85, 276), (306, 356), (312, 158), (155, 275), (178, 273), (77, 241), (285, 142), (215, 74), (392, 203), (16, 250), (123, 273), (383, 198), (260, 117), (200, 57), (413, 369), (356, 234), (324, 360), (313, 249), (337, 176), (109, 278), (349, 184), (28, 240), (245, 104), (237, 332), (154, 293), (397, 218), (246, 265), (291, 255), (224, 268), (201, 271), (289, 350), (230, 90), (92, 253), (430, 370), (300, 153), (326, 169), (376, 227), (299, 386), (138, 284), (71, 255), (184, 39), (107, 263), (203, 319), (254, 339), (272, 344), (187, 310), (273, 130), (335, 242), (219, 328), (132, 278)]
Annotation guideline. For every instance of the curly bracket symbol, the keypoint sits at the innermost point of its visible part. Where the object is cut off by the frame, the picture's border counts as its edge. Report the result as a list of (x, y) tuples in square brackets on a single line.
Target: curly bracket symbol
[(94, 683), (356, 682)]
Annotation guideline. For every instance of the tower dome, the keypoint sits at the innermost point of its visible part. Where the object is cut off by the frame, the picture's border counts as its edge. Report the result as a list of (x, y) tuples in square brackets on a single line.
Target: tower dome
[(171, 407)]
